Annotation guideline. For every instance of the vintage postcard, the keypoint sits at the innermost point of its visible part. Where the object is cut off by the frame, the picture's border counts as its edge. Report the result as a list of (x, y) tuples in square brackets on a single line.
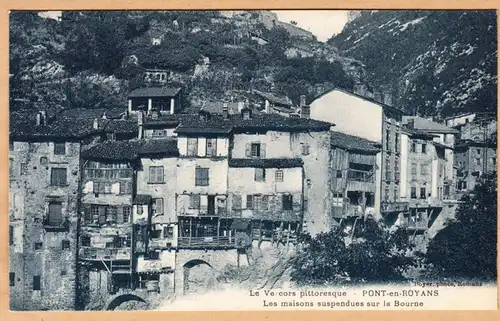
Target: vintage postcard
[(252, 160)]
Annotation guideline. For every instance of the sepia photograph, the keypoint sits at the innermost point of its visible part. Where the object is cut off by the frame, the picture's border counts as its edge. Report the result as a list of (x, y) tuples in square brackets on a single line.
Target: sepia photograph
[(252, 160)]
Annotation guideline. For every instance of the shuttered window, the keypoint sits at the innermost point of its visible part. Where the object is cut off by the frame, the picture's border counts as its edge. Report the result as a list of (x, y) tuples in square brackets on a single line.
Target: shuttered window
[(201, 177), (260, 175), (12, 279), (211, 147), (54, 217), (156, 174), (157, 206), (58, 177), (192, 146)]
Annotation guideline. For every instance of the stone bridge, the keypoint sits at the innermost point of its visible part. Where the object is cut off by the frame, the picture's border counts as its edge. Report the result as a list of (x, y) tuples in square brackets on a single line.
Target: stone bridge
[(125, 296)]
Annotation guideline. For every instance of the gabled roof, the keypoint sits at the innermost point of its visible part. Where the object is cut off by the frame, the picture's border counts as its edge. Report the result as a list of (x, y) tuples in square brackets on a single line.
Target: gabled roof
[(154, 92), (353, 143), (131, 150), (345, 91), (273, 98), (429, 126), (266, 162)]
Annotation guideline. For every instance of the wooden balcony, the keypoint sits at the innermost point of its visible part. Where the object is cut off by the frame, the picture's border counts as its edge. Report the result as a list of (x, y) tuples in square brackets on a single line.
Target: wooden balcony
[(160, 243), (208, 241), (107, 254), (360, 176), (274, 236)]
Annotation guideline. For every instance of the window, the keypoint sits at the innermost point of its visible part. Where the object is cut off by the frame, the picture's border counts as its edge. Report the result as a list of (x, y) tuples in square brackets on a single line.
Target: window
[(168, 232), (396, 142), (386, 194), (287, 202), (414, 171), (58, 177), (194, 201), (236, 201), (201, 177), (424, 169), (388, 140), (38, 245), (65, 245), (156, 174), (413, 192), (54, 217), (338, 200), (422, 193), (59, 148), (265, 202), (396, 193), (11, 145), (11, 234), (478, 161), (157, 206), (260, 175), (125, 188), (478, 151), (192, 146), (257, 202), (211, 147), (413, 147), (12, 279), (158, 132), (255, 150), (278, 176), (85, 240), (249, 202), (111, 214), (493, 161), (127, 210), (339, 173), (43, 161), (11, 167), (305, 149)]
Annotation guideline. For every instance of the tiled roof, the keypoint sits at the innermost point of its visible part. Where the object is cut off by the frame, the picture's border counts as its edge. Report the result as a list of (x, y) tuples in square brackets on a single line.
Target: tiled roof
[(110, 113), (417, 133), (142, 199), (154, 92), (131, 150), (429, 126), (121, 126), (266, 162), (273, 98), (215, 107), (23, 126), (258, 122), (353, 143)]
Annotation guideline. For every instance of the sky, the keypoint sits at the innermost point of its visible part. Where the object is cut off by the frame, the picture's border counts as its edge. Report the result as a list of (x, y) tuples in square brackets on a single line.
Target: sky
[(322, 23)]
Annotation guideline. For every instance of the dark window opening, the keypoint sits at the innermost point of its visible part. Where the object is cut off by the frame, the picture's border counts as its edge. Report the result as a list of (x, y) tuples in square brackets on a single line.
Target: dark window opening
[(54, 217), (339, 173), (413, 192), (38, 245), (11, 235), (85, 240), (287, 202), (58, 177), (12, 279), (422, 193), (255, 149), (36, 282), (65, 245), (59, 148)]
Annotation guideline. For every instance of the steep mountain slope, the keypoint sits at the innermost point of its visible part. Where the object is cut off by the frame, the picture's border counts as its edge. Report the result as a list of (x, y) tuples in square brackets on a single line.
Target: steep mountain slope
[(436, 63), (209, 54)]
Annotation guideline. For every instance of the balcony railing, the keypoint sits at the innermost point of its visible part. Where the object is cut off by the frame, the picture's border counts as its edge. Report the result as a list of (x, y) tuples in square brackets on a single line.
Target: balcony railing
[(360, 176), (92, 253), (271, 235), (212, 241), (160, 243)]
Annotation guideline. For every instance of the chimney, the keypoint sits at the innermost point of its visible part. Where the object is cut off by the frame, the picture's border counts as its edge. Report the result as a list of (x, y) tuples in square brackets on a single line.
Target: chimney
[(96, 123), (246, 113), (225, 111), (411, 123), (41, 118), (302, 100), (305, 111)]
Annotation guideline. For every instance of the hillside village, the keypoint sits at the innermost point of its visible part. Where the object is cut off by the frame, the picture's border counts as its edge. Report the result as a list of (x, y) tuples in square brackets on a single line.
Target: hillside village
[(163, 194)]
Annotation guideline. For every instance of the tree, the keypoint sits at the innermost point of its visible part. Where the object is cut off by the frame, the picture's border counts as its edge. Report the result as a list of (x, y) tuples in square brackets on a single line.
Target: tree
[(375, 255), (466, 247)]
